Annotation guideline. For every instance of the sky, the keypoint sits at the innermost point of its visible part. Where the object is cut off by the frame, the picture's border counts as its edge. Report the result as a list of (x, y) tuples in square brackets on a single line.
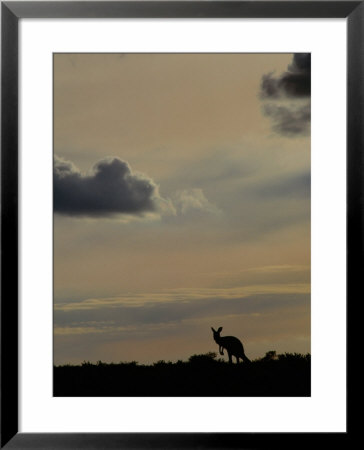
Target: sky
[(181, 202)]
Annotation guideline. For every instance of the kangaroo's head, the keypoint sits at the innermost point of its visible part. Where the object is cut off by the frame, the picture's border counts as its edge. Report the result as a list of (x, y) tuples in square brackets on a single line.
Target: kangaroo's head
[(216, 334)]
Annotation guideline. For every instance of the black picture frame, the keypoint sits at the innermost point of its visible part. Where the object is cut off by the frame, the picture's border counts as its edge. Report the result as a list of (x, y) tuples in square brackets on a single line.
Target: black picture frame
[(11, 13)]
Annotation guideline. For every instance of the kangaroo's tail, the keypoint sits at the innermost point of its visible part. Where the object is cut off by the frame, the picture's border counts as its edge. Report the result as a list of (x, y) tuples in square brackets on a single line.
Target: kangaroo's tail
[(246, 359)]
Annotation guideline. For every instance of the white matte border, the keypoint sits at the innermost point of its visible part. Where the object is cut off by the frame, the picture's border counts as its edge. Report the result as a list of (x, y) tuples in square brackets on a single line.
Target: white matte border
[(325, 410)]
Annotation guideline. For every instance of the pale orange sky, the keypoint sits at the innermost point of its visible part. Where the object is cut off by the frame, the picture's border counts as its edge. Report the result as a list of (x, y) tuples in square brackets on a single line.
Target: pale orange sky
[(228, 245)]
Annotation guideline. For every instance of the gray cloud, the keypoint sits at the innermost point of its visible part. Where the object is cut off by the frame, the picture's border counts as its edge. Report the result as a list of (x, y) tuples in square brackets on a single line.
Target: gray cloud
[(286, 98), (188, 200), (119, 315), (297, 186), (110, 189), (289, 120)]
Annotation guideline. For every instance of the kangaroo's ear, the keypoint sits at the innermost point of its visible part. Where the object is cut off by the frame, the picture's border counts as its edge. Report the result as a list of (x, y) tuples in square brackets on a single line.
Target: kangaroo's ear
[(219, 330), (213, 330)]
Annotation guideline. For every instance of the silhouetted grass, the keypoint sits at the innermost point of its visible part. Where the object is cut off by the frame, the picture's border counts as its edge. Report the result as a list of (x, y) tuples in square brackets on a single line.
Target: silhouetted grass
[(202, 375)]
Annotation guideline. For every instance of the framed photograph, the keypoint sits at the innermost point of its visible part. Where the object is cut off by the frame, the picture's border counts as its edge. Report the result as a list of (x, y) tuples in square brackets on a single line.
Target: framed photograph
[(181, 222)]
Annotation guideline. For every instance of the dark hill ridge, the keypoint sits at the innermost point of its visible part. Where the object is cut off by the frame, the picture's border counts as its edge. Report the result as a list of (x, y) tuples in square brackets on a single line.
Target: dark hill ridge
[(286, 375)]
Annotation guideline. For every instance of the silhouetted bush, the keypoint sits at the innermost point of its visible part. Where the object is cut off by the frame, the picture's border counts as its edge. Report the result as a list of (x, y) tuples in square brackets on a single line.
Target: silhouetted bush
[(287, 374), (206, 358), (293, 357), (162, 363), (270, 356)]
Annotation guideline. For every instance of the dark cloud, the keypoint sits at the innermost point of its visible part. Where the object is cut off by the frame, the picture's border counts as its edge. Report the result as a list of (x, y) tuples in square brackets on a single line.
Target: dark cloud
[(287, 97), (110, 189), (296, 82)]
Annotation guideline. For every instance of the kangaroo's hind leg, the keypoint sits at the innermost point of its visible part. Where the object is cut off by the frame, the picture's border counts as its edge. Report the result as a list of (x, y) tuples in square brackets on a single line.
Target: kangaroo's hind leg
[(237, 360), (230, 358)]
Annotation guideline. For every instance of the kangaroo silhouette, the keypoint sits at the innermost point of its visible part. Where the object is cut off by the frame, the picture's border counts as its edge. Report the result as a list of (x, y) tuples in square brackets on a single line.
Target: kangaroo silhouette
[(233, 346)]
